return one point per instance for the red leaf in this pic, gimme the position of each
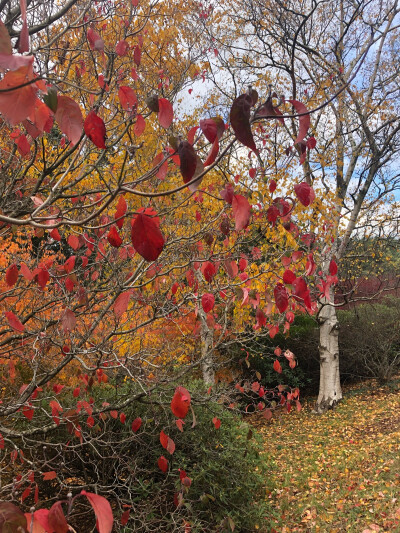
(333, 269)
(190, 164)
(240, 121)
(231, 268)
(114, 238)
(165, 113)
(187, 156)
(12, 275)
(268, 110)
(69, 118)
(73, 241)
(304, 193)
(140, 126)
(311, 143)
(207, 302)
(55, 234)
(24, 271)
(56, 519)
(49, 475)
(1, 442)
(212, 154)
(95, 129)
(290, 317)
(179, 424)
(121, 303)
(122, 48)
(95, 41)
(304, 121)
(127, 97)
(288, 277)
(14, 321)
(25, 494)
(102, 510)
(167, 442)
(277, 366)
(241, 211)
(12, 519)
(261, 318)
(267, 413)
(121, 211)
(213, 128)
(216, 422)
(70, 264)
(68, 321)
(272, 186)
(180, 402)
(125, 517)
(310, 265)
(42, 278)
(147, 238)
(242, 264)
(227, 193)
(191, 134)
(114, 414)
(28, 412)
(17, 104)
(23, 146)
(281, 297)
(162, 464)
(208, 269)
(136, 424)
(5, 41)
(137, 55)
(122, 418)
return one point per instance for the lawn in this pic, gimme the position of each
(339, 472)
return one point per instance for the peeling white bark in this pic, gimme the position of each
(330, 391)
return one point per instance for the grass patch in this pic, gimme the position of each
(338, 472)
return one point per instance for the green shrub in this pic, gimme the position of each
(369, 341)
(227, 470)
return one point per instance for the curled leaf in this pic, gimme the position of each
(304, 119)
(180, 403)
(240, 121)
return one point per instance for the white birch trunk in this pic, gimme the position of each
(330, 391)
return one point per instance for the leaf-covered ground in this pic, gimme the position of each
(339, 472)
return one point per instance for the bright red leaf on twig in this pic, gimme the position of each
(147, 238)
(165, 112)
(102, 510)
(281, 297)
(241, 211)
(304, 120)
(95, 129)
(12, 275)
(69, 118)
(207, 302)
(14, 321)
(180, 403)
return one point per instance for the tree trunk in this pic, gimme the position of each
(330, 391)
